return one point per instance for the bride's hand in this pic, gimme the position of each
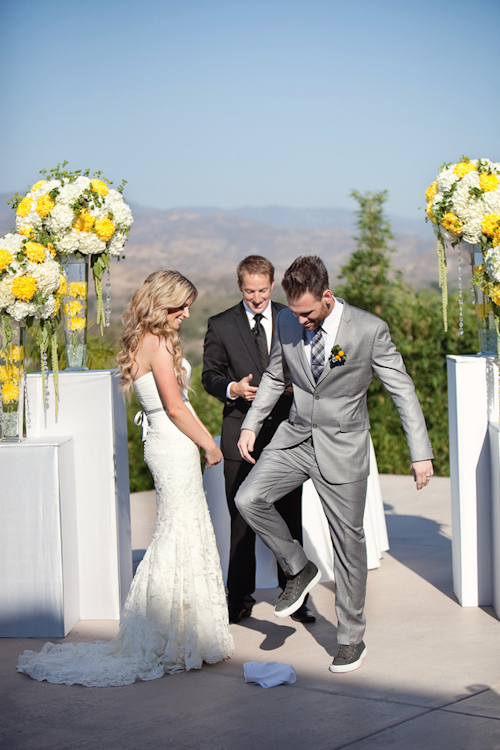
(213, 456)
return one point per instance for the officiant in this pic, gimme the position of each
(236, 354)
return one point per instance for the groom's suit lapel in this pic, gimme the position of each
(299, 346)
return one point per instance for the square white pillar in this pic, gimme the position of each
(92, 411)
(472, 403)
(38, 538)
(495, 514)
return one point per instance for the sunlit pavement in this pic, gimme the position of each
(431, 678)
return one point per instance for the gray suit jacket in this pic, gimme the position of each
(333, 411)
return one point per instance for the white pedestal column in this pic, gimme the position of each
(38, 539)
(472, 402)
(92, 412)
(495, 514)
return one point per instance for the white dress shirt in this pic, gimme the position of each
(267, 324)
(330, 327)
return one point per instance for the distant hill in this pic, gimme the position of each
(207, 243)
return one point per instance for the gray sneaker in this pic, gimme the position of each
(348, 658)
(296, 590)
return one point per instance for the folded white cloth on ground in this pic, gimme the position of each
(269, 673)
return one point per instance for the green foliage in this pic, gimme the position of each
(208, 408)
(140, 476)
(415, 322)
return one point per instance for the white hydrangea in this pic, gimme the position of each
(11, 242)
(90, 244)
(48, 308)
(69, 243)
(47, 275)
(472, 232)
(61, 218)
(121, 212)
(445, 180)
(44, 189)
(492, 201)
(6, 296)
(116, 244)
(492, 262)
(21, 310)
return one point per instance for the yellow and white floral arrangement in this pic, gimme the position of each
(76, 213)
(32, 285)
(463, 204)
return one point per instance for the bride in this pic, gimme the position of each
(175, 617)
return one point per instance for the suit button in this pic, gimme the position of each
(316, 398)
(314, 426)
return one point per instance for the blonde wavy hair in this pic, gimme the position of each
(161, 292)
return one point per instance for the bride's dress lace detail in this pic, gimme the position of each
(175, 617)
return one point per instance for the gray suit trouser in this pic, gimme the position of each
(277, 473)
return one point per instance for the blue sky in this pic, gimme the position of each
(255, 102)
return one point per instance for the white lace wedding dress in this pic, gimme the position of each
(175, 617)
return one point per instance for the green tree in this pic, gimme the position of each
(415, 322)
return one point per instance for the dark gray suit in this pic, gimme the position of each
(326, 437)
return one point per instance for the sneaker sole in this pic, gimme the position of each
(300, 601)
(340, 669)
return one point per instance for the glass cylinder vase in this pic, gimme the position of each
(74, 309)
(12, 381)
(485, 309)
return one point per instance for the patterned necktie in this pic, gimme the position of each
(317, 354)
(260, 337)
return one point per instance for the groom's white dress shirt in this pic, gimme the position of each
(330, 327)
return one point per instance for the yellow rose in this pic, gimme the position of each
(24, 207)
(430, 213)
(76, 324)
(98, 186)
(452, 223)
(26, 232)
(35, 252)
(104, 229)
(431, 191)
(494, 293)
(63, 287)
(24, 287)
(16, 353)
(490, 224)
(488, 182)
(44, 205)
(57, 305)
(37, 185)
(84, 222)
(463, 168)
(6, 257)
(77, 289)
(71, 309)
(10, 373)
(10, 393)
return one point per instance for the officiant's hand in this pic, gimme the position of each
(243, 389)
(246, 444)
(422, 472)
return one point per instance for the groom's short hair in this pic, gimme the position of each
(306, 274)
(255, 264)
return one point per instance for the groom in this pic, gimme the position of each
(332, 351)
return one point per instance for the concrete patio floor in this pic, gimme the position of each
(431, 678)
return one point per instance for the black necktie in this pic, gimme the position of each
(260, 337)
